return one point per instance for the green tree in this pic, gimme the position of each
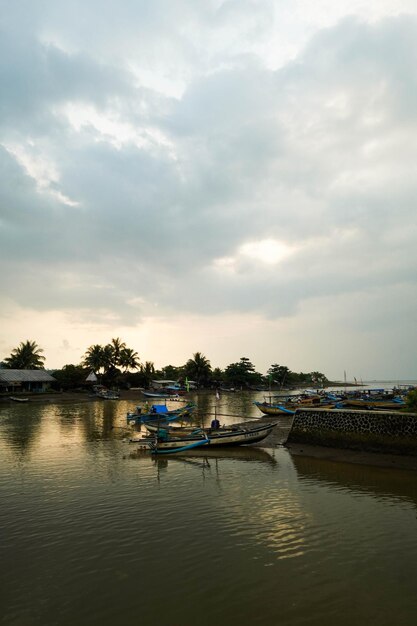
(70, 377)
(217, 376)
(27, 356)
(242, 374)
(172, 372)
(278, 375)
(199, 369)
(411, 401)
(147, 373)
(318, 378)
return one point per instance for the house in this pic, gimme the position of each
(172, 385)
(163, 384)
(25, 380)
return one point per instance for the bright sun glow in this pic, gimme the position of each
(267, 251)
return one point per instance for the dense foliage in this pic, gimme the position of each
(117, 365)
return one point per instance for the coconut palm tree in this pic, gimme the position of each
(94, 358)
(148, 372)
(198, 368)
(27, 356)
(128, 359)
(117, 346)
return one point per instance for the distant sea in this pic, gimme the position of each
(381, 384)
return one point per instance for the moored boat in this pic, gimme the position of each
(287, 405)
(155, 394)
(160, 411)
(233, 436)
(108, 394)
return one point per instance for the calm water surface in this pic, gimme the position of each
(94, 533)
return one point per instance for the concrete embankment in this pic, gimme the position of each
(372, 431)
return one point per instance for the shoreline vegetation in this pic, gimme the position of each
(115, 365)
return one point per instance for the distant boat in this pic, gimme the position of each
(155, 394)
(15, 399)
(107, 394)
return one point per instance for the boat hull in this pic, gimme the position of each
(239, 436)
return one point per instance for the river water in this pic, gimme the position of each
(94, 533)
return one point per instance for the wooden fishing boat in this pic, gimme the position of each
(16, 399)
(231, 436)
(287, 405)
(369, 404)
(160, 412)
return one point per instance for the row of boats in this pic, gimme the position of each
(164, 435)
(371, 399)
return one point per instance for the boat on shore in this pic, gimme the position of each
(230, 436)
(16, 399)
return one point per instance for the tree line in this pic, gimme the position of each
(117, 365)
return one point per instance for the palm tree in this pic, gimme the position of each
(128, 359)
(198, 368)
(94, 358)
(117, 346)
(148, 372)
(27, 356)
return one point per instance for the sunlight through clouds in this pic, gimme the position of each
(222, 161)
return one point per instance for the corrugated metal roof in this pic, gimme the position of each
(25, 376)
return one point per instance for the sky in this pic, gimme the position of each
(237, 178)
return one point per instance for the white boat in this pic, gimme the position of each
(107, 394)
(15, 399)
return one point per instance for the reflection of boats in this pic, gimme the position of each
(248, 454)
(230, 436)
(15, 399)
(160, 411)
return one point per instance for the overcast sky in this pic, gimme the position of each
(235, 177)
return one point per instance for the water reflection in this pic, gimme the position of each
(385, 484)
(93, 530)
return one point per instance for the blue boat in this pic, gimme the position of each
(160, 411)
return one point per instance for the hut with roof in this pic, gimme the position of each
(25, 380)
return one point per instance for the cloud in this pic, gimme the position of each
(244, 185)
